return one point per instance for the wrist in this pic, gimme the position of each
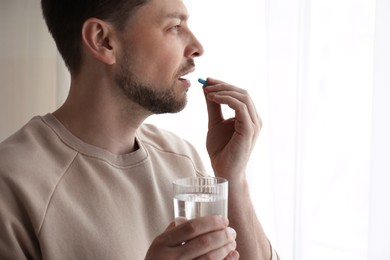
(238, 189)
(238, 181)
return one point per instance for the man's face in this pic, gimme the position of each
(158, 51)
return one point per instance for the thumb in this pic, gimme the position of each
(170, 226)
(180, 220)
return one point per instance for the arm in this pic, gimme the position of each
(17, 237)
(229, 144)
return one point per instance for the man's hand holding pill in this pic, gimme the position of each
(229, 143)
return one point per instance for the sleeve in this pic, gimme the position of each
(17, 239)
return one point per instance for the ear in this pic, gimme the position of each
(98, 38)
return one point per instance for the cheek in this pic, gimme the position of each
(156, 60)
(170, 53)
(167, 61)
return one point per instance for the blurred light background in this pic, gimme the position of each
(319, 74)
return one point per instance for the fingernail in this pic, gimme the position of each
(225, 221)
(232, 232)
(233, 255)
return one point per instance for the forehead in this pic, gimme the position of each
(163, 9)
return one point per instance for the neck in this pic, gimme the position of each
(101, 116)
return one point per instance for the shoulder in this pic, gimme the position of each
(163, 140)
(32, 162)
(159, 140)
(34, 157)
(34, 146)
(23, 145)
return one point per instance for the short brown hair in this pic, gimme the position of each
(65, 18)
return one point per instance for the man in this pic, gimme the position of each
(90, 181)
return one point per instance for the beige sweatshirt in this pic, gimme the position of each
(61, 198)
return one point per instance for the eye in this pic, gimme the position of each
(176, 27)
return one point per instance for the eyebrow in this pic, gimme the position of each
(177, 15)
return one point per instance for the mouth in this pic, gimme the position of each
(184, 76)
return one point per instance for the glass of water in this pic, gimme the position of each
(200, 196)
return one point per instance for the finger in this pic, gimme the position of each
(212, 81)
(166, 236)
(159, 246)
(196, 227)
(243, 122)
(240, 94)
(170, 226)
(214, 111)
(220, 94)
(214, 245)
(180, 220)
(226, 252)
(233, 255)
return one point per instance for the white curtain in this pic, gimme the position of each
(379, 227)
(326, 48)
(318, 71)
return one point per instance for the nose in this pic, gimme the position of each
(194, 48)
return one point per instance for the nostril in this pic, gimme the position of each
(196, 54)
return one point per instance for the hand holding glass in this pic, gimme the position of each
(200, 196)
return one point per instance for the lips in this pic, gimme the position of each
(183, 75)
(186, 83)
(183, 78)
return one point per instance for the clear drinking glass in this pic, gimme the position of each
(200, 196)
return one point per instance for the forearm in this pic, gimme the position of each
(252, 243)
